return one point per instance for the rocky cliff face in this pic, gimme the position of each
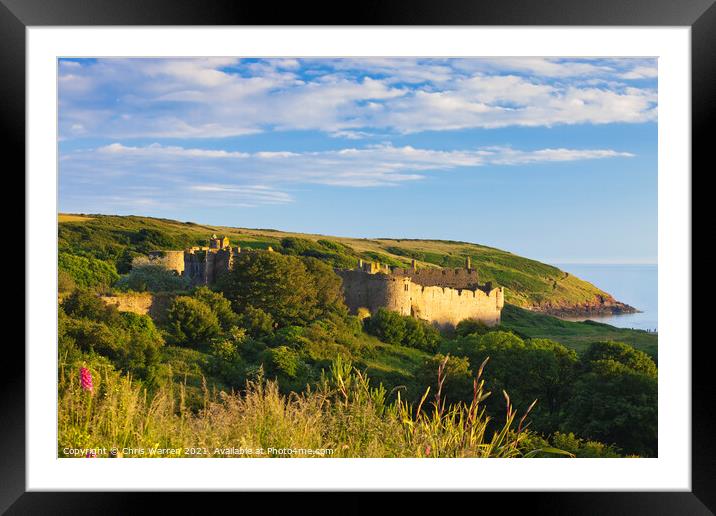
(601, 305)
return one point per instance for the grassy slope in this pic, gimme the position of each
(528, 282)
(577, 335)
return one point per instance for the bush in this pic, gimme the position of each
(613, 403)
(85, 304)
(534, 369)
(65, 282)
(471, 326)
(191, 322)
(421, 335)
(219, 305)
(257, 323)
(279, 285)
(282, 361)
(152, 278)
(622, 353)
(226, 361)
(458, 377)
(387, 325)
(87, 272)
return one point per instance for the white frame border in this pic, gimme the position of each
(670, 471)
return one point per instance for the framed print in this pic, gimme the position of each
(364, 258)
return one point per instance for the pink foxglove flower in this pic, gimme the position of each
(91, 454)
(86, 379)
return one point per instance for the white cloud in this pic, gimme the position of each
(235, 172)
(346, 98)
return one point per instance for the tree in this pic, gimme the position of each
(614, 403)
(536, 369)
(328, 285)
(191, 322)
(279, 285)
(387, 325)
(87, 272)
(219, 305)
(421, 335)
(458, 385)
(257, 323)
(622, 353)
(85, 304)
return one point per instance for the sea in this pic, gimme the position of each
(635, 285)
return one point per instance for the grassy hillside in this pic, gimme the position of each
(576, 335)
(529, 283)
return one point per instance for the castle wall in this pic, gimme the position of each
(172, 260)
(453, 278)
(444, 306)
(142, 303)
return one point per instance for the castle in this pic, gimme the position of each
(202, 265)
(442, 296)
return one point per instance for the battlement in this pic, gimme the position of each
(442, 296)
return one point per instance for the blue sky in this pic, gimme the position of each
(554, 159)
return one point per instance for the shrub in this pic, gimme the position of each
(65, 282)
(421, 335)
(387, 325)
(85, 304)
(191, 322)
(458, 377)
(219, 305)
(277, 284)
(87, 272)
(282, 361)
(613, 403)
(152, 278)
(257, 323)
(622, 353)
(533, 369)
(470, 326)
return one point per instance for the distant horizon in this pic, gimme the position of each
(543, 157)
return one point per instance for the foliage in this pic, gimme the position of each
(85, 304)
(532, 369)
(576, 335)
(152, 278)
(580, 448)
(219, 305)
(87, 272)
(622, 353)
(191, 322)
(130, 341)
(282, 286)
(257, 323)
(458, 376)
(344, 417)
(470, 326)
(615, 403)
(394, 328)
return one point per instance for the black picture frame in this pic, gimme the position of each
(17, 15)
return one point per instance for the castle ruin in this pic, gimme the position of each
(442, 296)
(202, 265)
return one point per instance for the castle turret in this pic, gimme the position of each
(414, 264)
(468, 263)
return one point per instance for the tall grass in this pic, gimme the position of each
(342, 416)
